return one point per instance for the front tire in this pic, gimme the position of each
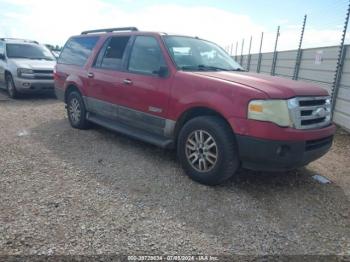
(10, 86)
(207, 150)
(76, 111)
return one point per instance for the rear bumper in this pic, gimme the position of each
(272, 155)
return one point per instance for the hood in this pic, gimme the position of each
(34, 64)
(274, 87)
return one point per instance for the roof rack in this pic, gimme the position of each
(109, 30)
(18, 39)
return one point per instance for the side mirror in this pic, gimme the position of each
(2, 57)
(163, 71)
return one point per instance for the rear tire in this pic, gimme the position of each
(10, 86)
(207, 150)
(76, 111)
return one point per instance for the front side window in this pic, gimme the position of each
(195, 54)
(111, 55)
(146, 56)
(29, 51)
(77, 50)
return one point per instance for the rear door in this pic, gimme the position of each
(105, 79)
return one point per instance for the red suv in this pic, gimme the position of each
(187, 93)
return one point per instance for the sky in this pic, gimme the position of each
(225, 22)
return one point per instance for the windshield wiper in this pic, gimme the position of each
(40, 58)
(239, 70)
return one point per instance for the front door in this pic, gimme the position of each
(146, 90)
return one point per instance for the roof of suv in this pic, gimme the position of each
(118, 30)
(18, 41)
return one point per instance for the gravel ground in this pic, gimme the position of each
(67, 191)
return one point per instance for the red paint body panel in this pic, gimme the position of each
(271, 131)
(196, 90)
(274, 87)
(227, 93)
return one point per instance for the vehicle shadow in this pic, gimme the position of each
(274, 212)
(29, 96)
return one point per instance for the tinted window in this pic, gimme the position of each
(111, 55)
(77, 50)
(146, 56)
(30, 51)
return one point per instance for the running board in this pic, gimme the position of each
(136, 133)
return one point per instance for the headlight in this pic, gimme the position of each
(25, 72)
(275, 111)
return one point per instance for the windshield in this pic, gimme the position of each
(199, 55)
(29, 51)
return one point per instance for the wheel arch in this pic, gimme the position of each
(70, 88)
(194, 112)
(7, 72)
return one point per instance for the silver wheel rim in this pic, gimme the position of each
(74, 110)
(201, 151)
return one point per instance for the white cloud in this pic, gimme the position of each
(54, 21)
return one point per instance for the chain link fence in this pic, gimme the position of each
(316, 51)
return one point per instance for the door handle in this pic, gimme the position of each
(90, 75)
(127, 81)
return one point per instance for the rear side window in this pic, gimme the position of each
(77, 50)
(112, 53)
(146, 56)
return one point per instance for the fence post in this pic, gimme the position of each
(299, 53)
(340, 62)
(273, 67)
(241, 59)
(236, 50)
(249, 55)
(260, 55)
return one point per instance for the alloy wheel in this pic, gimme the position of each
(201, 151)
(74, 110)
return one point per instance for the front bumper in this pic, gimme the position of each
(32, 85)
(272, 155)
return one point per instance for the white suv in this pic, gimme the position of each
(25, 66)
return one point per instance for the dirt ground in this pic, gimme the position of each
(68, 191)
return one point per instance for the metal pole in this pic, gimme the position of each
(236, 50)
(260, 55)
(340, 62)
(231, 51)
(249, 55)
(275, 53)
(298, 58)
(242, 51)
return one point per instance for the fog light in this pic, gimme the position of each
(26, 84)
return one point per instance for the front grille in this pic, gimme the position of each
(43, 74)
(310, 112)
(43, 77)
(43, 71)
(315, 144)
